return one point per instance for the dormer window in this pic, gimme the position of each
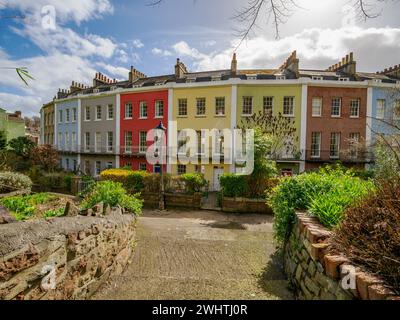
(190, 80)
(318, 78)
(114, 88)
(252, 77)
(344, 79)
(216, 78)
(281, 77)
(96, 90)
(377, 80)
(136, 86)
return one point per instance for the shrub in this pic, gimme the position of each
(369, 234)
(12, 181)
(23, 207)
(51, 181)
(194, 182)
(325, 193)
(54, 213)
(234, 185)
(131, 180)
(45, 156)
(112, 194)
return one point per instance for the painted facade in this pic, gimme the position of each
(207, 107)
(98, 136)
(66, 130)
(383, 115)
(47, 125)
(12, 124)
(276, 95)
(139, 113)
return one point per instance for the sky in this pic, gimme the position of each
(60, 41)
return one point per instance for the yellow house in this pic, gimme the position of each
(200, 107)
(278, 97)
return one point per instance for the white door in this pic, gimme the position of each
(217, 174)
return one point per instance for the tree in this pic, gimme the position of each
(3, 140)
(279, 11)
(22, 146)
(45, 156)
(281, 131)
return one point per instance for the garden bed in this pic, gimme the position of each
(36, 206)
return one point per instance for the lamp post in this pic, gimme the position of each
(159, 154)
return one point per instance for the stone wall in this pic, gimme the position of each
(63, 258)
(173, 200)
(244, 205)
(315, 274)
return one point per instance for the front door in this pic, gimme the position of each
(218, 172)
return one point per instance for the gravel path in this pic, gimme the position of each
(201, 255)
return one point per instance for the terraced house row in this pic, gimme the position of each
(335, 111)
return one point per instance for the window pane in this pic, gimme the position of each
(316, 107)
(182, 107)
(288, 106)
(336, 107)
(220, 106)
(268, 105)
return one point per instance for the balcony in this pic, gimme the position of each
(345, 156)
(99, 149)
(137, 151)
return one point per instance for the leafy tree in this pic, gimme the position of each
(45, 156)
(281, 131)
(22, 146)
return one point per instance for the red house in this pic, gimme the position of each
(140, 112)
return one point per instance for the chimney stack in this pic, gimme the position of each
(292, 64)
(234, 65)
(180, 69)
(134, 75)
(346, 65)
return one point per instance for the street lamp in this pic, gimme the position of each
(159, 154)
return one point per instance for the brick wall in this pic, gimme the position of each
(78, 253)
(315, 274)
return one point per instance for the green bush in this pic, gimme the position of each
(112, 194)
(325, 194)
(233, 185)
(12, 181)
(54, 213)
(23, 207)
(133, 181)
(194, 182)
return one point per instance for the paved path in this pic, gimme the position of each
(201, 255)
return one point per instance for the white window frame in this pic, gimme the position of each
(396, 107)
(181, 166)
(87, 139)
(128, 106)
(74, 115)
(141, 164)
(289, 115)
(159, 105)
(128, 142)
(266, 101)
(110, 147)
(201, 105)
(217, 106)
(60, 116)
(182, 106)
(142, 148)
(338, 137)
(97, 113)
(67, 116)
(97, 141)
(143, 107)
(67, 141)
(314, 143)
(74, 142)
(334, 106)
(110, 107)
(247, 105)
(358, 108)
(313, 105)
(87, 113)
(380, 108)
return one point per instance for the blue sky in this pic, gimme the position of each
(110, 36)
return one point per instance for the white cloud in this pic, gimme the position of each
(114, 71)
(27, 104)
(374, 49)
(161, 52)
(68, 41)
(137, 43)
(76, 10)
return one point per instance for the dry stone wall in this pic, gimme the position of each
(314, 273)
(63, 258)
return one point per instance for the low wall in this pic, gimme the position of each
(315, 274)
(245, 205)
(63, 258)
(173, 200)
